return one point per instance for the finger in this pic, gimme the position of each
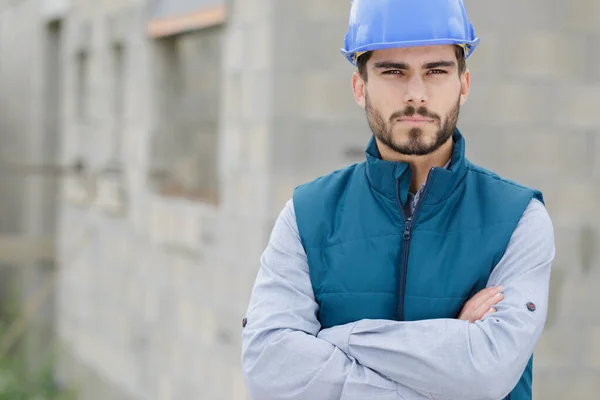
(475, 317)
(480, 298)
(492, 310)
(484, 294)
(486, 305)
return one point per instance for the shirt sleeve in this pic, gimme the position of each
(281, 356)
(450, 358)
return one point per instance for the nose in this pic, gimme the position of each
(416, 92)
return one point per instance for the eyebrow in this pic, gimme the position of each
(404, 66)
(439, 64)
(390, 64)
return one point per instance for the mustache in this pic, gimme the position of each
(409, 111)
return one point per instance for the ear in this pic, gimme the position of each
(358, 87)
(465, 86)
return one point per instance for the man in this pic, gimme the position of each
(414, 274)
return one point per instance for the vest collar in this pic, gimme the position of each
(383, 175)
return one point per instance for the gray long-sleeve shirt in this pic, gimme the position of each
(286, 354)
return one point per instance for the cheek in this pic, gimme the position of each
(388, 99)
(443, 100)
(393, 90)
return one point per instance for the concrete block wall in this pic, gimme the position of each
(184, 145)
(150, 304)
(316, 125)
(30, 143)
(21, 91)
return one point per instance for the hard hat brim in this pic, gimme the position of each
(350, 54)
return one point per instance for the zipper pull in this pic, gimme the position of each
(407, 228)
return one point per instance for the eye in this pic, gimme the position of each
(436, 72)
(393, 72)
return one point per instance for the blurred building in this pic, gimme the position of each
(152, 144)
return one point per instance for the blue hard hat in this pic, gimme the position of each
(384, 24)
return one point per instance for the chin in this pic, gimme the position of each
(405, 136)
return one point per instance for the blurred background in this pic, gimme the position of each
(147, 147)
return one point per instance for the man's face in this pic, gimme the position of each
(412, 97)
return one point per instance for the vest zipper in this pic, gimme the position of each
(406, 236)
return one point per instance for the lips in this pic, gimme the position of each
(415, 120)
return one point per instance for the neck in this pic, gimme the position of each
(420, 165)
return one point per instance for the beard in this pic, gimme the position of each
(416, 146)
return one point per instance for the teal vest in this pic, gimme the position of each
(367, 261)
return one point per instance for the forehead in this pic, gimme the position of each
(415, 55)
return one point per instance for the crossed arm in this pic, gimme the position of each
(286, 355)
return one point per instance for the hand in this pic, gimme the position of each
(481, 305)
